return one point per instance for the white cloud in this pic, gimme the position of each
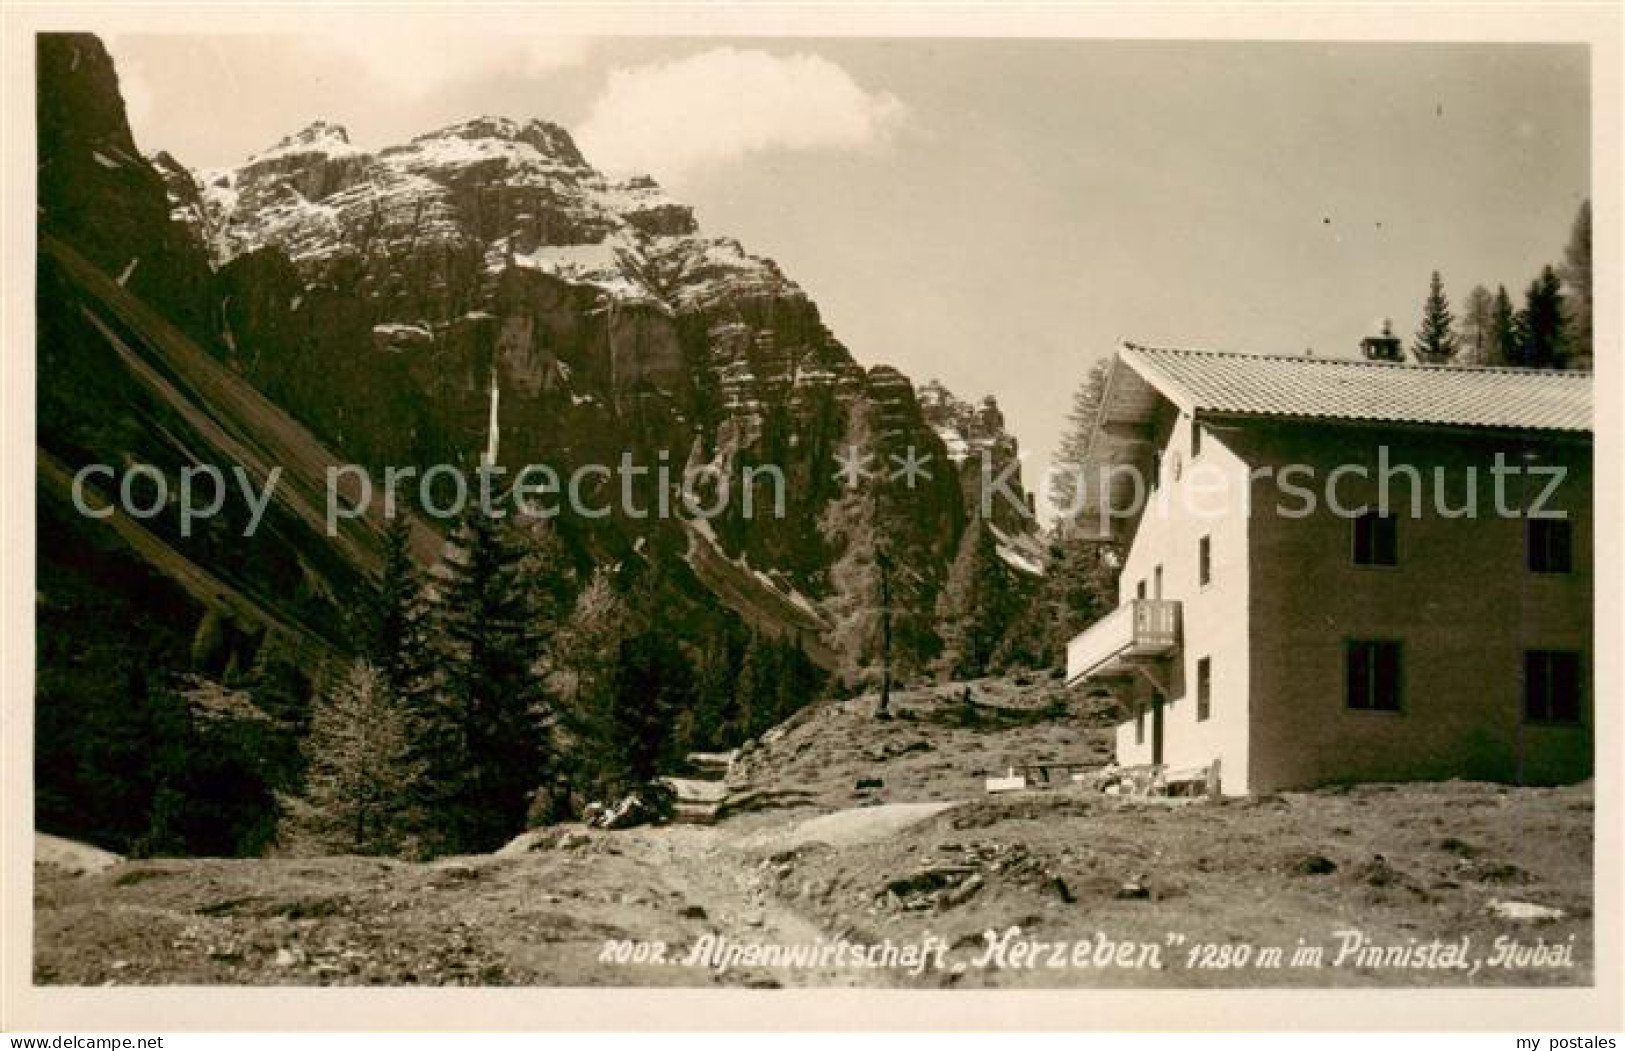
(415, 64)
(670, 118)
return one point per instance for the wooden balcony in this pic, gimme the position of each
(1136, 633)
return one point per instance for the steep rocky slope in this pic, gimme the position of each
(379, 295)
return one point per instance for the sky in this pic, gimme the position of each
(996, 214)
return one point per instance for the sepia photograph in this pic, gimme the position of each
(528, 508)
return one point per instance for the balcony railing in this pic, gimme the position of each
(1140, 630)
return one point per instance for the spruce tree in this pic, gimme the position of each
(392, 615)
(1541, 327)
(489, 685)
(1435, 342)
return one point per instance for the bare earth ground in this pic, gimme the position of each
(1124, 892)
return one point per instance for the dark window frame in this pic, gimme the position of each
(1369, 676)
(1204, 689)
(1549, 546)
(1368, 543)
(1541, 668)
(1204, 561)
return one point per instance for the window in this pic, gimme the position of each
(1551, 545)
(1139, 589)
(1139, 724)
(1376, 539)
(1551, 686)
(1196, 439)
(1372, 681)
(1156, 592)
(1204, 689)
(1204, 561)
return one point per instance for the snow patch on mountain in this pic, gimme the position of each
(514, 194)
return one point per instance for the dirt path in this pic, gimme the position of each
(846, 828)
(727, 874)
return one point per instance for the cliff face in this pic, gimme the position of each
(375, 297)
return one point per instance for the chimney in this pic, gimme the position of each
(1385, 347)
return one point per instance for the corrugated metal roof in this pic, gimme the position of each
(1353, 389)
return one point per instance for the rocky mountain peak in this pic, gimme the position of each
(497, 142)
(963, 427)
(377, 294)
(317, 137)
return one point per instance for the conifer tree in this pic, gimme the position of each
(715, 680)
(1541, 335)
(799, 681)
(652, 686)
(1435, 342)
(1576, 275)
(1476, 327)
(751, 687)
(1503, 342)
(976, 606)
(392, 616)
(489, 685)
(1079, 583)
(586, 656)
(1079, 587)
(1080, 423)
(358, 770)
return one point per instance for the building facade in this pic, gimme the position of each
(1344, 571)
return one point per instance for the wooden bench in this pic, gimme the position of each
(1036, 775)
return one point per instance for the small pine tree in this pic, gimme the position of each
(358, 771)
(1435, 342)
(1541, 335)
